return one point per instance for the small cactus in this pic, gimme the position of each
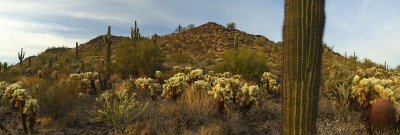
(5, 67)
(76, 51)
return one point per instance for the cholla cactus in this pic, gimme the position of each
(84, 79)
(195, 75)
(366, 90)
(31, 107)
(222, 91)
(269, 83)
(8, 93)
(177, 69)
(148, 84)
(158, 74)
(119, 109)
(143, 83)
(19, 96)
(202, 85)
(187, 69)
(3, 87)
(247, 97)
(174, 86)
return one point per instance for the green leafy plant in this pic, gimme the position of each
(248, 63)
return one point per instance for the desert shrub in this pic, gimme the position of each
(248, 63)
(119, 109)
(259, 41)
(142, 60)
(231, 25)
(180, 58)
(336, 86)
(196, 108)
(58, 101)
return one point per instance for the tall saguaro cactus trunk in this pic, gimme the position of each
(303, 32)
(108, 50)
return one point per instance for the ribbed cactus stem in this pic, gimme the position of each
(76, 51)
(83, 65)
(135, 35)
(303, 31)
(5, 66)
(1, 66)
(107, 40)
(21, 56)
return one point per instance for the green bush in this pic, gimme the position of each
(248, 63)
(142, 60)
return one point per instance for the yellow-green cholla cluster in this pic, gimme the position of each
(118, 108)
(175, 85)
(201, 85)
(9, 91)
(31, 107)
(366, 90)
(247, 96)
(158, 74)
(269, 83)
(148, 84)
(84, 79)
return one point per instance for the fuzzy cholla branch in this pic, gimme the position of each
(247, 97)
(269, 83)
(31, 107)
(174, 86)
(119, 109)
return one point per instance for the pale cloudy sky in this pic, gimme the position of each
(368, 27)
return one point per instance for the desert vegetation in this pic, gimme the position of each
(207, 80)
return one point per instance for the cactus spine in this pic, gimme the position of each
(76, 51)
(303, 30)
(107, 40)
(21, 56)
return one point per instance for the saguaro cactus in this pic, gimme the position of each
(303, 32)
(107, 40)
(5, 67)
(76, 51)
(135, 35)
(21, 56)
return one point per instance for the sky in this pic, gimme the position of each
(370, 28)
